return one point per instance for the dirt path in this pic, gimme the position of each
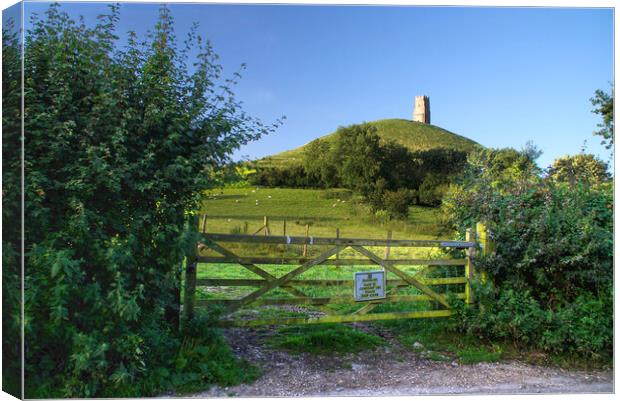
(393, 370)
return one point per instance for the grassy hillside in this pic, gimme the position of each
(411, 134)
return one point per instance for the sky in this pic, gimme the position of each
(499, 76)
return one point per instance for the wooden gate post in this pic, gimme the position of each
(486, 243)
(190, 276)
(469, 266)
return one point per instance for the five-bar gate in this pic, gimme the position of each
(427, 281)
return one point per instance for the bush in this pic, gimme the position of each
(290, 177)
(553, 266)
(583, 326)
(121, 143)
(432, 190)
(397, 203)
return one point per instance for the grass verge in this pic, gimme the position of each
(324, 339)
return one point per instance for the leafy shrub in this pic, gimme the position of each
(583, 168)
(553, 272)
(432, 190)
(584, 326)
(121, 143)
(397, 202)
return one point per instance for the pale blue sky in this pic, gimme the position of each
(500, 76)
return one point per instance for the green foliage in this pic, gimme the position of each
(432, 190)
(121, 143)
(553, 266)
(397, 203)
(319, 163)
(603, 104)
(325, 339)
(583, 168)
(291, 177)
(583, 326)
(555, 239)
(357, 153)
(11, 208)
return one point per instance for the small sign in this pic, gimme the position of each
(369, 285)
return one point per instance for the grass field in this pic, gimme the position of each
(230, 210)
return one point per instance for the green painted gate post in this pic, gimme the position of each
(190, 275)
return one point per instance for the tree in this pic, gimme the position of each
(121, 144)
(317, 161)
(358, 153)
(584, 168)
(604, 106)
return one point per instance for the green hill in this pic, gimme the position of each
(411, 134)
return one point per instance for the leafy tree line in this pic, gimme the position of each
(119, 144)
(387, 174)
(550, 280)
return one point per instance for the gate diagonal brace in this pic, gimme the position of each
(407, 278)
(264, 274)
(279, 282)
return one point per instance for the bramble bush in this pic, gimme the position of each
(121, 142)
(583, 326)
(552, 271)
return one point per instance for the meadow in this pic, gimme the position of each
(241, 210)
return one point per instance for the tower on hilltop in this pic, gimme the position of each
(422, 109)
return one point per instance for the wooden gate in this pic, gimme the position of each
(426, 281)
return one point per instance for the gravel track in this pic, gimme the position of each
(393, 370)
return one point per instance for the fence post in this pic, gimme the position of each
(284, 228)
(204, 224)
(387, 248)
(305, 253)
(266, 225)
(190, 277)
(338, 236)
(486, 243)
(469, 266)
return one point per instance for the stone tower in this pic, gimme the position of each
(422, 109)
